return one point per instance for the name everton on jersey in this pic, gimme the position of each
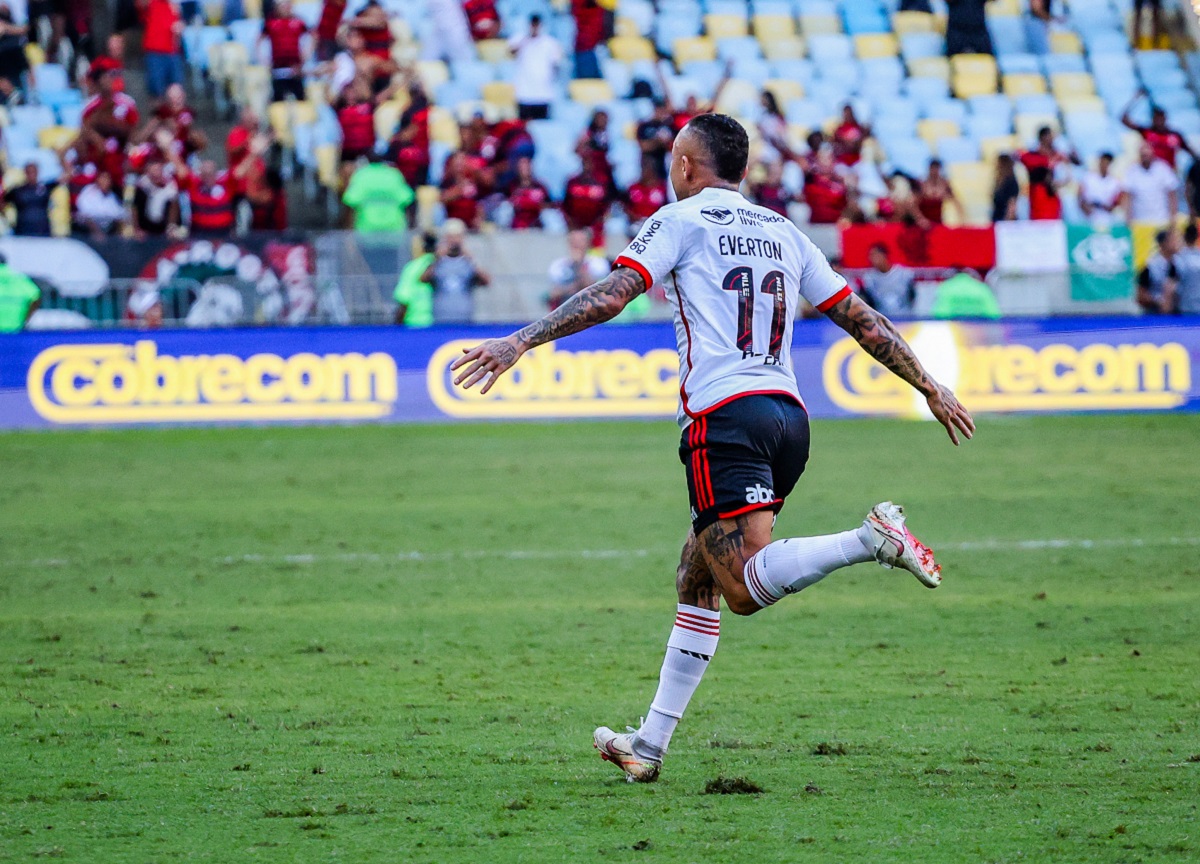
(739, 246)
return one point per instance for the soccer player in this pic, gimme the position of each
(734, 273)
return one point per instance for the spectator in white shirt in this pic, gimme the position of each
(1152, 189)
(539, 57)
(98, 210)
(1100, 193)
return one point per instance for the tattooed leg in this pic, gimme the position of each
(693, 581)
(726, 546)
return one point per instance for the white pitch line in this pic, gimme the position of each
(1068, 543)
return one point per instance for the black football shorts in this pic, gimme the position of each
(744, 455)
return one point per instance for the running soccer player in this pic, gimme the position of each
(734, 274)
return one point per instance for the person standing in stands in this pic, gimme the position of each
(590, 31)
(372, 22)
(535, 79)
(454, 276)
(109, 121)
(527, 197)
(332, 12)
(410, 145)
(19, 298)
(13, 61)
(1183, 297)
(1007, 190)
(378, 195)
(356, 116)
(966, 28)
(161, 44)
(1043, 165)
(1163, 140)
(284, 32)
(934, 192)
(31, 200)
(482, 18)
(211, 194)
(645, 197)
(1151, 189)
(586, 202)
(1156, 281)
(1100, 193)
(413, 296)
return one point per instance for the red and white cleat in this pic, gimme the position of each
(895, 546)
(618, 749)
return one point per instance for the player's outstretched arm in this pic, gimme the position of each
(879, 338)
(593, 305)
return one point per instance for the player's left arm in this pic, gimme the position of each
(593, 305)
(880, 338)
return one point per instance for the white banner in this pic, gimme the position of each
(1025, 248)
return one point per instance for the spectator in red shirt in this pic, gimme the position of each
(211, 195)
(1165, 141)
(284, 32)
(482, 18)
(848, 138)
(372, 22)
(645, 197)
(590, 31)
(175, 116)
(767, 189)
(933, 193)
(527, 197)
(356, 115)
(594, 143)
(164, 60)
(410, 144)
(461, 192)
(586, 202)
(1041, 165)
(327, 28)
(825, 192)
(237, 144)
(109, 121)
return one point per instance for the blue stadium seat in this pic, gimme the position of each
(806, 112)
(946, 109)
(915, 45)
(994, 104)
(31, 116)
(897, 106)
(861, 17)
(980, 126)
(1017, 64)
(1187, 122)
(71, 114)
(1159, 80)
(831, 94)
(1105, 42)
(474, 72)
(924, 91)
(954, 150)
(752, 69)
(876, 90)
(18, 138)
(846, 73)
(875, 68)
(1042, 103)
(247, 31)
(793, 70)
(894, 127)
(707, 72)
(1053, 63)
(1008, 35)
(1174, 101)
(51, 77)
(827, 47)
(910, 155)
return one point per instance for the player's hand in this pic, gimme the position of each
(950, 413)
(489, 360)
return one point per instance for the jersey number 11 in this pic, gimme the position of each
(741, 280)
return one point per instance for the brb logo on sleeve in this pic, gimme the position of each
(718, 215)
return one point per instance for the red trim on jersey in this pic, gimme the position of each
(834, 300)
(687, 329)
(749, 508)
(636, 267)
(737, 396)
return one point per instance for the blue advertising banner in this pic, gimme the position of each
(388, 374)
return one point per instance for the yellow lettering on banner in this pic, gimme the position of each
(1055, 377)
(135, 384)
(552, 382)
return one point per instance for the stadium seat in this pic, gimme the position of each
(785, 91)
(1035, 103)
(930, 131)
(691, 49)
(493, 51)
(769, 28)
(629, 49)
(1008, 35)
(904, 23)
(736, 95)
(1065, 42)
(625, 27)
(1027, 126)
(738, 49)
(1082, 105)
(972, 183)
(871, 45)
(35, 55)
(929, 67)
(1054, 63)
(1016, 64)
(1067, 84)
(926, 90)
(1003, 9)
(795, 70)
(990, 148)
(805, 113)
(827, 47)
(387, 119)
(56, 137)
(914, 45)
(820, 25)
(34, 117)
(433, 74)
(503, 96)
(1023, 85)
(443, 127)
(946, 109)
(982, 126)
(910, 155)
(955, 150)
(783, 48)
(725, 26)
(590, 91)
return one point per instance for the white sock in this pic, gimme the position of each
(788, 566)
(692, 644)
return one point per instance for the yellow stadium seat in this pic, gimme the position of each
(251, 85)
(1004, 8)
(433, 74)
(428, 199)
(252, 8)
(502, 94)
(913, 22)
(931, 130)
(871, 45)
(225, 59)
(1027, 126)
(929, 67)
(387, 118)
(1065, 42)
(316, 91)
(328, 156)
(34, 54)
(57, 137)
(991, 147)
(630, 49)
(812, 25)
(590, 91)
(737, 93)
(784, 48)
(401, 30)
(983, 64)
(1024, 84)
(214, 11)
(625, 26)
(1081, 105)
(973, 184)
(696, 48)
(784, 90)
(493, 50)
(968, 84)
(1065, 85)
(443, 127)
(60, 212)
(725, 26)
(771, 27)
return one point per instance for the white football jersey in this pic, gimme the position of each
(734, 273)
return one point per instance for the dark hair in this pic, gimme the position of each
(935, 163)
(429, 242)
(880, 247)
(1044, 131)
(1160, 237)
(535, 20)
(1106, 155)
(1191, 234)
(1158, 109)
(727, 144)
(772, 103)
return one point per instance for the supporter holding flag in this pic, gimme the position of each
(1163, 140)
(284, 33)
(527, 197)
(586, 202)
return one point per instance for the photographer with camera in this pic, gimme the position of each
(454, 276)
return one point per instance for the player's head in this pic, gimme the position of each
(712, 150)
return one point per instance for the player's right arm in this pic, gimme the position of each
(593, 305)
(880, 338)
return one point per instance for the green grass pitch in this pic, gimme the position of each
(223, 645)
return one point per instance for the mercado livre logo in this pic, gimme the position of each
(123, 383)
(1088, 373)
(550, 381)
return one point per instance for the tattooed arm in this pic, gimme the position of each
(593, 305)
(879, 338)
